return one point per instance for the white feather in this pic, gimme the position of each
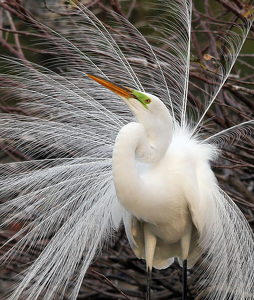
(73, 122)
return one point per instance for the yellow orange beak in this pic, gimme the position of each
(119, 90)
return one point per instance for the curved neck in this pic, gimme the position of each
(131, 142)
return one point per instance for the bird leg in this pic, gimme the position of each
(184, 297)
(185, 245)
(150, 244)
(148, 284)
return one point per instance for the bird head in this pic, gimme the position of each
(148, 109)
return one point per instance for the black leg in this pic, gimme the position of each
(184, 280)
(148, 284)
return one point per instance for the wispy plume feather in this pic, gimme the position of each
(66, 192)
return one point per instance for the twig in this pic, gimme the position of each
(16, 37)
(22, 32)
(112, 284)
(242, 89)
(116, 6)
(131, 9)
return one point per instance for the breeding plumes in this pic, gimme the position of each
(101, 166)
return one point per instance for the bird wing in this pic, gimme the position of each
(225, 237)
(229, 245)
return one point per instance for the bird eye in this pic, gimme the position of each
(148, 101)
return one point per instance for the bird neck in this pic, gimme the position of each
(132, 143)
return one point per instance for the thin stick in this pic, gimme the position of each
(111, 283)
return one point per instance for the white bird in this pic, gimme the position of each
(169, 204)
(159, 182)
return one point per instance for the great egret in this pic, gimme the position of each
(164, 203)
(170, 202)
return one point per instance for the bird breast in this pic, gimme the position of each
(169, 186)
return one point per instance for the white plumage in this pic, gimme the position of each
(161, 184)
(169, 200)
